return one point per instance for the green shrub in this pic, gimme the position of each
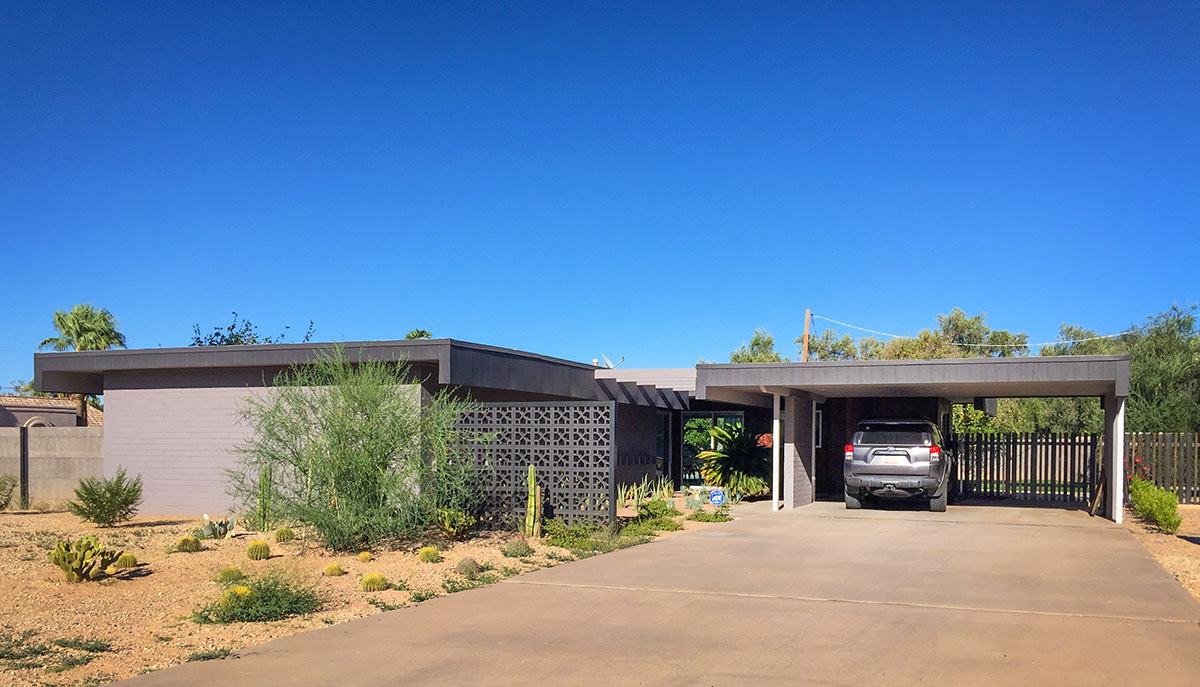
(230, 574)
(284, 535)
(92, 646)
(657, 508)
(347, 448)
(452, 585)
(558, 533)
(125, 560)
(365, 556)
(261, 600)
(374, 582)
(334, 570)
(207, 655)
(454, 524)
(1155, 505)
(258, 551)
(702, 516)
(85, 559)
(517, 548)
(107, 502)
(429, 554)
(7, 484)
(187, 545)
(642, 527)
(419, 595)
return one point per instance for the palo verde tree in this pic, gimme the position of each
(346, 447)
(84, 328)
(761, 349)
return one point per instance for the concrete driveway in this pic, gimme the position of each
(975, 596)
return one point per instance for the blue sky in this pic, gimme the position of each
(649, 180)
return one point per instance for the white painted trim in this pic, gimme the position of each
(776, 440)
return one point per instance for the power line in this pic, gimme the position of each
(974, 345)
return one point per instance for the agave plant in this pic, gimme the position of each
(738, 464)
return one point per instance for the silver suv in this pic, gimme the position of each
(897, 459)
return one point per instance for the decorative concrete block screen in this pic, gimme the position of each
(570, 443)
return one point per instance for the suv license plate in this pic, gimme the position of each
(894, 460)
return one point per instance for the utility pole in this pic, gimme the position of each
(804, 351)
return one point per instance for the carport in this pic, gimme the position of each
(918, 387)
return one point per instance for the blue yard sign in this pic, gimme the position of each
(717, 497)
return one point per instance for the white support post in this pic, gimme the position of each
(776, 440)
(1116, 472)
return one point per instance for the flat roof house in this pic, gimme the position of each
(171, 414)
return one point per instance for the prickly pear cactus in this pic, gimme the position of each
(86, 559)
(218, 529)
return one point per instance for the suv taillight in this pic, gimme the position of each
(935, 454)
(849, 452)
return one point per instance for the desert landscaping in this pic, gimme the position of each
(140, 619)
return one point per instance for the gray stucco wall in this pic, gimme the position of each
(179, 440)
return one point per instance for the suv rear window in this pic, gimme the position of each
(893, 435)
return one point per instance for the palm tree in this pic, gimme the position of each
(84, 328)
(418, 334)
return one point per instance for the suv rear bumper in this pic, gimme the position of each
(898, 486)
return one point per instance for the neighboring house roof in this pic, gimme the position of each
(95, 416)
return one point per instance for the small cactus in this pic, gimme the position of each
(258, 551)
(85, 559)
(334, 570)
(429, 554)
(235, 596)
(125, 560)
(365, 557)
(188, 545)
(374, 582)
(229, 574)
(284, 535)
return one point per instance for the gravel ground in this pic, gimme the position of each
(1179, 553)
(143, 614)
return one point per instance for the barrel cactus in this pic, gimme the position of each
(429, 554)
(85, 559)
(284, 535)
(334, 570)
(188, 545)
(468, 567)
(125, 560)
(374, 582)
(258, 551)
(230, 574)
(365, 557)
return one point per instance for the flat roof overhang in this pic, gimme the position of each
(959, 379)
(458, 363)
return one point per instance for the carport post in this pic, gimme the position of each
(775, 440)
(1114, 455)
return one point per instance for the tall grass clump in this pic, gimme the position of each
(343, 446)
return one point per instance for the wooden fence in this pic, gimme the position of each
(1170, 460)
(1028, 467)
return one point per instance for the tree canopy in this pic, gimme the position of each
(241, 332)
(761, 349)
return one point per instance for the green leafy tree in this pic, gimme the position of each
(829, 346)
(84, 328)
(1164, 387)
(241, 332)
(418, 334)
(761, 349)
